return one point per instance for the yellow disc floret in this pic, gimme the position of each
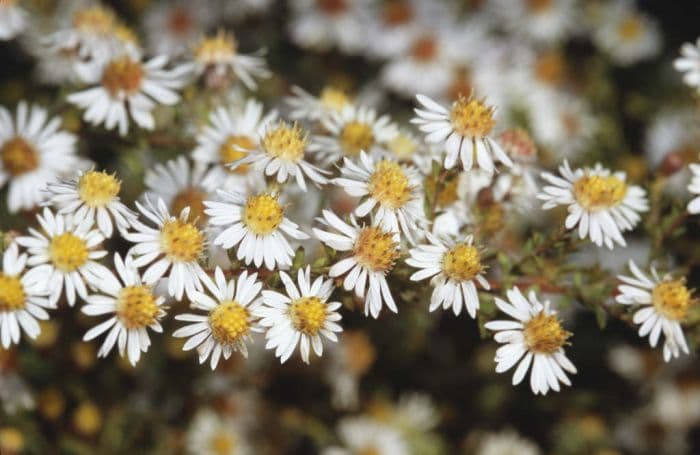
(122, 76)
(12, 296)
(544, 334)
(222, 443)
(308, 314)
(97, 189)
(285, 142)
(229, 322)
(355, 137)
(376, 249)
(472, 118)
(95, 19)
(402, 146)
(137, 307)
(671, 299)
(194, 199)
(595, 192)
(18, 156)
(235, 148)
(333, 99)
(462, 262)
(263, 213)
(68, 252)
(630, 28)
(216, 49)
(389, 184)
(181, 241)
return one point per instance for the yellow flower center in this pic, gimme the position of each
(447, 194)
(538, 6)
(235, 148)
(11, 294)
(333, 99)
(461, 84)
(544, 334)
(68, 252)
(595, 192)
(230, 322)
(308, 314)
(493, 218)
(397, 12)
(222, 443)
(285, 142)
(550, 68)
(402, 146)
(370, 450)
(630, 28)
(87, 419)
(181, 241)
(517, 143)
(263, 214)
(136, 307)
(389, 184)
(97, 189)
(462, 262)
(356, 136)
(194, 199)
(216, 49)
(376, 249)
(332, 7)
(125, 34)
(11, 440)
(122, 76)
(18, 156)
(425, 48)
(95, 19)
(671, 299)
(472, 118)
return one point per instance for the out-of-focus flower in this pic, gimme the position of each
(33, 152)
(94, 195)
(694, 188)
(364, 435)
(330, 101)
(665, 304)
(21, 301)
(13, 19)
(257, 224)
(454, 267)
(132, 306)
(464, 130)
(600, 203)
(689, 64)
(392, 189)
(322, 24)
(538, 21)
(172, 28)
(212, 434)
(535, 336)
(64, 256)
(231, 318)
(173, 247)
(373, 254)
(506, 442)
(301, 316)
(124, 87)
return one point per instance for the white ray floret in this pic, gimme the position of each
(689, 64)
(694, 188)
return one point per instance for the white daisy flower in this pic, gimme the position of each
(173, 248)
(539, 21)
(22, 302)
(33, 152)
(694, 188)
(535, 336)
(689, 64)
(64, 255)
(230, 321)
(257, 225)
(305, 106)
(127, 87)
(13, 19)
(133, 308)
(216, 57)
(506, 442)
(281, 153)
(179, 185)
(173, 28)
(211, 434)
(454, 268)
(323, 24)
(302, 316)
(626, 34)
(365, 435)
(373, 254)
(600, 203)
(395, 192)
(229, 136)
(351, 131)
(665, 303)
(464, 130)
(94, 195)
